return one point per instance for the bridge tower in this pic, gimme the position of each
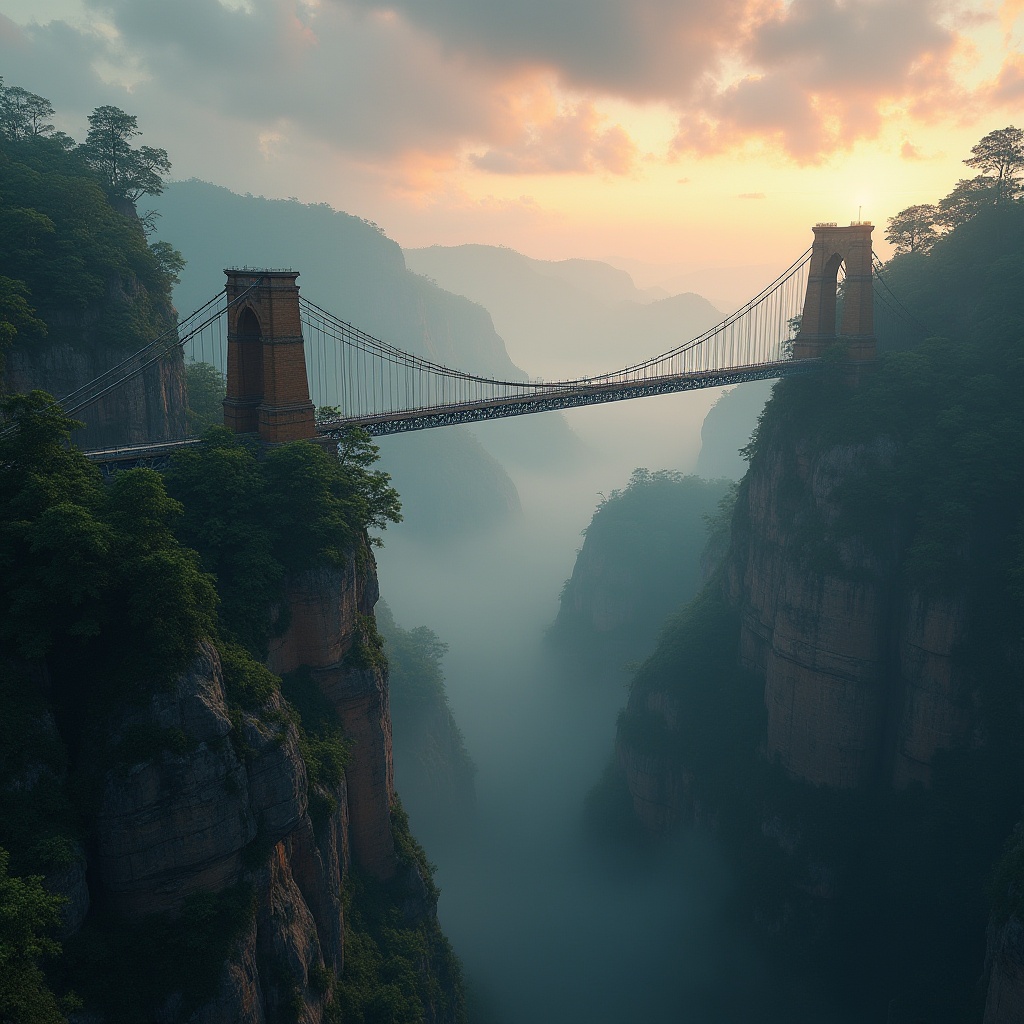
(267, 387)
(834, 246)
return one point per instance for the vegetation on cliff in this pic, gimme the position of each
(434, 769)
(103, 603)
(71, 245)
(639, 562)
(876, 893)
(387, 948)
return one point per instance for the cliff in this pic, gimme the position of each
(639, 562)
(214, 834)
(841, 705)
(149, 408)
(434, 768)
(861, 679)
(176, 792)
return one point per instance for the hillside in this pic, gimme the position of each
(842, 703)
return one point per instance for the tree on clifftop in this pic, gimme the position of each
(1000, 156)
(913, 229)
(127, 173)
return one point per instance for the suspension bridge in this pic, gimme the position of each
(293, 370)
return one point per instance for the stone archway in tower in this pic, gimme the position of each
(836, 247)
(250, 356)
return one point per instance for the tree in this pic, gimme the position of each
(964, 202)
(1000, 155)
(23, 114)
(127, 173)
(28, 913)
(204, 390)
(16, 314)
(913, 229)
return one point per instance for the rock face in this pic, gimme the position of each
(861, 683)
(860, 674)
(330, 631)
(150, 407)
(203, 797)
(176, 823)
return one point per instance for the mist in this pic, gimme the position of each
(549, 925)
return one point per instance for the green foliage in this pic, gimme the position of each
(28, 913)
(92, 573)
(1000, 156)
(37, 819)
(254, 520)
(125, 172)
(16, 315)
(414, 658)
(367, 650)
(248, 683)
(322, 741)
(396, 966)
(129, 969)
(205, 388)
(641, 556)
(65, 249)
(23, 114)
(229, 520)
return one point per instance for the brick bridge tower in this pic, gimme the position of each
(834, 246)
(267, 388)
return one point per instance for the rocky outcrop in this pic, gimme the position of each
(202, 797)
(151, 407)
(861, 682)
(330, 630)
(860, 674)
(175, 818)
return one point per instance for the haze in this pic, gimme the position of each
(659, 133)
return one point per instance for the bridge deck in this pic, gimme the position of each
(551, 399)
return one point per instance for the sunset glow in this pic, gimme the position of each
(653, 131)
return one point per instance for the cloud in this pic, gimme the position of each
(751, 195)
(1008, 88)
(572, 139)
(638, 49)
(910, 152)
(821, 74)
(419, 90)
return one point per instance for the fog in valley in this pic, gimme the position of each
(551, 925)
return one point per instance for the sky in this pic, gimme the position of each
(683, 133)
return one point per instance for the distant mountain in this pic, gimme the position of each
(564, 318)
(727, 288)
(347, 265)
(351, 268)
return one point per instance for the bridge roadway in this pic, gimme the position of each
(156, 455)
